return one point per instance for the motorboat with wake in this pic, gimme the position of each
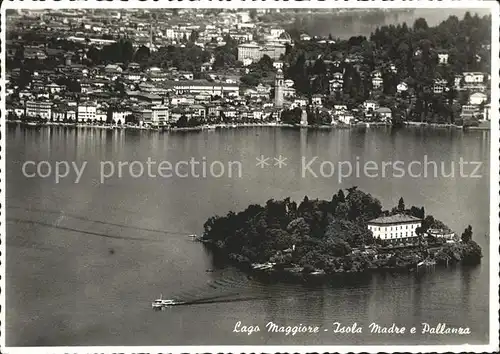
(160, 304)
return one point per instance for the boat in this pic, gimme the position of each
(160, 304)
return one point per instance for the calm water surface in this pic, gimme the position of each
(85, 260)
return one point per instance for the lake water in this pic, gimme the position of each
(85, 260)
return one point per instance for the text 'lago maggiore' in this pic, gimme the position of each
(337, 327)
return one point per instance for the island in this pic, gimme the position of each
(348, 233)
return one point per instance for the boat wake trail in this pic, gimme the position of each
(222, 300)
(91, 233)
(63, 215)
(221, 290)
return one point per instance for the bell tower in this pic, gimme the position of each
(279, 84)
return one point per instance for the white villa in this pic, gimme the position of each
(395, 228)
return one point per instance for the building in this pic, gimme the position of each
(276, 32)
(38, 109)
(477, 98)
(305, 37)
(443, 58)
(279, 83)
(384, 113)
(86, 112)
(273, 51)
(337, 82)
(395, 228)
(159, 115)
(203, 87)
(440, 86)
(402, 87)
(249, 51)
(119, 116)
(254, 52)
(370, 105)
(317, 100)
(278, 65)
(377, 80)
(473, 78)
(54, 88)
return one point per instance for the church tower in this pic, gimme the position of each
(279, 84)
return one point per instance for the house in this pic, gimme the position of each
(118, 116)
(337, 82)
(377, 80)
(113, 69)
(346, 118)
(469, 111)
(477, 98)
(71, 115)
(384, 113)
(213, 111)
(443, 57)
(86, 112)
(40, 109)
(395, 228)
(341, 114)
(132, 76)
(440, 86)
(278, 65)
(305, 37)
(473, 78)
(300, 102)
(370, 105)
(258, 114)
(402, 87)
(100, 116)
(476, 81)
(187, 75)
(317, 100)
(458, 81)
(58, 114)
(288, 92)
(54, 88)
(159, 115)
(206, 67)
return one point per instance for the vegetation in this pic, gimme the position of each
(329, 235)
(414, 53)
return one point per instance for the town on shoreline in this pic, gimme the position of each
(185, 70)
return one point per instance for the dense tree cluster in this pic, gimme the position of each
(315, 229)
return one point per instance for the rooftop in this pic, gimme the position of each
(394, 219)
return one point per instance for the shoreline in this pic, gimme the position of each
(295, 273)
(213, 127)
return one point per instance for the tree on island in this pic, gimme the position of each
(467, 235)
(401, 205)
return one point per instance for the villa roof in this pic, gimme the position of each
(394, 219)
(383, 110)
